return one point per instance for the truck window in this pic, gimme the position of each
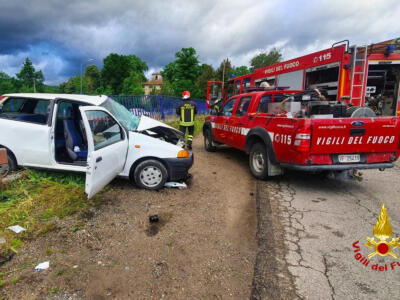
(263, 104)
(228, 107)
(246, 82)
(237, 87)
(243, 106)
(324, 77)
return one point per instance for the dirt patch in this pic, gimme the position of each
(203, 246)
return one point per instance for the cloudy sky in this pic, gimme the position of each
(59, 35)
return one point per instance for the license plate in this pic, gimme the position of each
(349, 158)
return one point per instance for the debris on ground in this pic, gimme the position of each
(178, 185)
(16, 228)
(154, 219)
(5, 258)
(42, 266)
(2, 240)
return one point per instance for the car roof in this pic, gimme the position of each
(94, 100)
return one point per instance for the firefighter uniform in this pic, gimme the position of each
(186, 111)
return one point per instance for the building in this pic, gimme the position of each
(155, 83)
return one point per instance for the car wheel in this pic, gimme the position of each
(258, 161)
(11, 165)
(208, 142)
(150, 175)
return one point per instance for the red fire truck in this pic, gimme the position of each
(357, 75)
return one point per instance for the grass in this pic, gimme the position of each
(198, 124)
(36, 200)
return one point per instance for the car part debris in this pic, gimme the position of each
(178, 185)
(42, 266)
(154, 219)
(16, 228)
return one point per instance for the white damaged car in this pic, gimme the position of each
(91, 134)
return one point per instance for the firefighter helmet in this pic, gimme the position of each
(185, 95)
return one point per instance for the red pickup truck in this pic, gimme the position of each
(282, 129)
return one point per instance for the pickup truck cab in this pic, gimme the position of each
(283, 129)
(91, 134)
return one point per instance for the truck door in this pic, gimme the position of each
(214, 93)
(107, 148)
(239, 123)
(221, 124)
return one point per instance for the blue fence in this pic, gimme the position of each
(155, 106)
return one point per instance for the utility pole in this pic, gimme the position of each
(34, 83)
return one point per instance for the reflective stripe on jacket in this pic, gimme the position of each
(186, 110)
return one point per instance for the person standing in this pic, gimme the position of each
(187, 111)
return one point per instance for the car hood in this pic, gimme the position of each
(160, 130)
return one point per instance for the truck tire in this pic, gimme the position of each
(208, 141)
(258, 161)
(150, 175)
(11, 166)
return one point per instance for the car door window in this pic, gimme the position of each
(263, 104)
(243, 106)
(105, 130)
(228, 108)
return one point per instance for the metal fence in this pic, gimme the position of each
(155, 106)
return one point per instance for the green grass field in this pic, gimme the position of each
(36, 201)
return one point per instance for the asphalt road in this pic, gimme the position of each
(307, 227)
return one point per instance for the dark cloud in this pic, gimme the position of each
(60, 35)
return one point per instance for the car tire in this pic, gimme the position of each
(258, 161)
(208, 141)
(11, 166)
(150, 175)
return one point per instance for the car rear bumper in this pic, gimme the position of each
(178, 168)
(316, 168)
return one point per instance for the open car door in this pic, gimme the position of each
(214, 92)
(107, 148)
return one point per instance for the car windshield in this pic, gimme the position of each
(124, 116)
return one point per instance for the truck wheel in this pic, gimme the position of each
(208, 142)
(150, 175)
(258, 161)
(11, 165)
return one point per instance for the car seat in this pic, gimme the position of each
(73, 141)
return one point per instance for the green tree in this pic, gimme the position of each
(207, 74)
(226, 63)
(240, 71)
(182, 73)
(133, 84)
(7, 84)
(119, 67)
(266, 59)
(92, 79)
(29, 78)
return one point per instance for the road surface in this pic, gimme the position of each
(313, 222)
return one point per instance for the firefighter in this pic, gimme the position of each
(186, 111)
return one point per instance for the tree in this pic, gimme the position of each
(207, 74)
(240, 71)
(119, 67)
(7, 84)
(133, 84)
(263, 59)
(92, 78)
(183, 72)
(225, 64)
(29, 78)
